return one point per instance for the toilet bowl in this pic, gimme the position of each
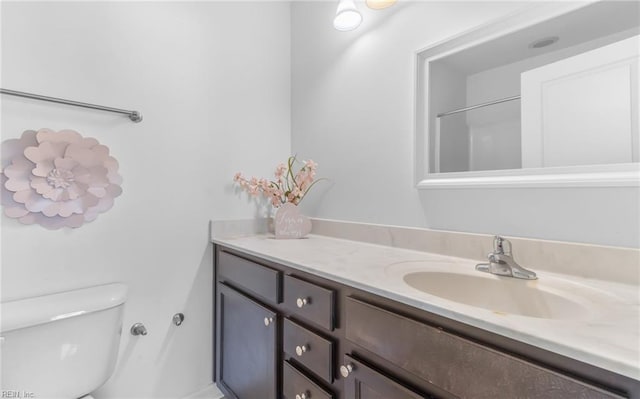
(63, 345)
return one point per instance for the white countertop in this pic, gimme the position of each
(608, 338)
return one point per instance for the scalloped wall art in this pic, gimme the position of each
(57, 179)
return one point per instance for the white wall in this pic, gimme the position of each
(453, 149)
(495, 130)
(352, 112)
(212, 80)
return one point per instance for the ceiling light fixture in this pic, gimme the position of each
(347, 16)
(380, 4)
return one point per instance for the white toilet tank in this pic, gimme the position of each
(63, 345)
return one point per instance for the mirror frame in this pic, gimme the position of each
(605, 175)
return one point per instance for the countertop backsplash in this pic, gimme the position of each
(615, 264)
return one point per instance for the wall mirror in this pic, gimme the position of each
(544, 97)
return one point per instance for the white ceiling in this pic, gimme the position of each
(585, 24)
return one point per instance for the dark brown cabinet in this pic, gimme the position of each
(296, 385)
(247, 346)
(283, 333)
(431, 353)
(309, 301)
(255, 279)
(311, 350)
(363, 382)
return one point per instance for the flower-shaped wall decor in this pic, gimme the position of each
(57, 179)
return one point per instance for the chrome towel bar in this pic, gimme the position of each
(135, 116)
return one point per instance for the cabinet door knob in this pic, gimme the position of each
(268, 321)
(346, 369)
(300, 350)
(302, 301)
(303, 395)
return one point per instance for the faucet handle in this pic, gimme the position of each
(501, 246)
(497, 245)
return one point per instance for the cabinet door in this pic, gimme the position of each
(362, 382)
(246, 346)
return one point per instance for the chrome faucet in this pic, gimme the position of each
(501, 262)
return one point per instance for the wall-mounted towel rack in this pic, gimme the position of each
(135, 116)
(502, 100)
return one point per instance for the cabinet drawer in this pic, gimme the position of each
(459, 366)
(363, 382)
(244, 274)
(295, 384)
(309, 301)
(311, 350)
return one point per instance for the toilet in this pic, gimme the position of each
(63, 345)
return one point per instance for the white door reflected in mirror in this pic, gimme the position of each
(582, 110)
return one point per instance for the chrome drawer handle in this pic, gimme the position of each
(268, 321)
(303, 395)
(302, 301)
(300, 350)
(346, 369)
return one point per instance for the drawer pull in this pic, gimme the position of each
(346, 369)
(300, 350)
(268, 321)
(300, 302)
(303, 395)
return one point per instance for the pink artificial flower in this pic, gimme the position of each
(300, 177)
(296, 186)
(254, 190)
(275, 201)
(311, 165)
(280, 170)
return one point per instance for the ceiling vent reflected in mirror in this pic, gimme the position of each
(544, 42)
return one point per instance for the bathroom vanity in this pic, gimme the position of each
(301, 319)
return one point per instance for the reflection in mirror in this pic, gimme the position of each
(559, 93)
(485, 137)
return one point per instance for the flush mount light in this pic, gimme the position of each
(380, 4)
(347, 16)
(544, 42)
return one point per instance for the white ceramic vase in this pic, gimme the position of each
(290, 223)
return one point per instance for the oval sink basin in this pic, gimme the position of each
(502, 295)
